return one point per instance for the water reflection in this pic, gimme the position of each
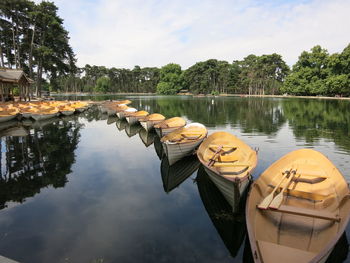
(122, 197)
(35, 158)
(174, 175)
(231, 227)
(132, 129)
(147, 137)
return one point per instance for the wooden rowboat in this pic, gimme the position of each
(183, 141)
(135, 116)
(113, 109)
(229, 162)
(149, 121)
(45, 114)
(121, 114)
(169, 125)
(66, 110)
(297, 209)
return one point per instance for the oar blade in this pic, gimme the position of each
(266, 202)
(277, 201)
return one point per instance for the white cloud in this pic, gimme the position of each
(154, 33)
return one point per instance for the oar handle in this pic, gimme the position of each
(212, 159)
(285, 173)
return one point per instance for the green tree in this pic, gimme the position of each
(103, 85)
(170, 81)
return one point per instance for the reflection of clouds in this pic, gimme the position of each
(114, 207)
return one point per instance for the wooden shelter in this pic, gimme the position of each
(10, 78)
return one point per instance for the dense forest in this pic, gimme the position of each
(33, 38)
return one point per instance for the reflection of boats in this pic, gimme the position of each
(8, 124)
(17, 131)
(158, 147)
(42, 123)
(147, 137)
(174, 175)
(231, 227)
(135, 116)
(169, 125)
(303, 222)
(149, 121)
(121, 124)
(183, 141)
(229, 162)
(132, 129)
(111, 119)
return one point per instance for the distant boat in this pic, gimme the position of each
(229, 162)
(66, 110)
(231, 227)
(297, 209)
(169, 125)
(121, 113)
(45, 114)
(183, 141)
(176, 174)
(147, 137)
(135, 116)
(149, 121)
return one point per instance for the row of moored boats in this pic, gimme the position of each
(40, 110)
(295, 211)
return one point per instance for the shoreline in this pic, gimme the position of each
(204, 95)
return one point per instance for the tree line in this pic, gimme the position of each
(33, 38)
(315, 73)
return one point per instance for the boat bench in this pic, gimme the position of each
(305, 212)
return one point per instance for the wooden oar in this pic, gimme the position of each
(212, 159)
(264, 204)
(277, 201)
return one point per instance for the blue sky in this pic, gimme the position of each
(154, 32)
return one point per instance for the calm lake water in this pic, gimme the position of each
(89, 188)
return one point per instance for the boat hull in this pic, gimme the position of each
(176, 151)
(231, 190)
(39, 117)
(67, 113)
(164, 131)
(132, 119)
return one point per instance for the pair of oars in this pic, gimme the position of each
(275, 202)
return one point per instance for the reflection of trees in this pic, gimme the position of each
(315, 119)
(251, 114)
(38, 160)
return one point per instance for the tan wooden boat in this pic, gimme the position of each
(297, 209)
(176, 174)
(134, 117)
(125, 102)
(79, 106)
(113, 109)
(28, 111)
(121, 114)
(183, 141)
(229, 162)
(230, 227)
(169, 125)
(66, 110)
(149, 121)
(45, 114)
